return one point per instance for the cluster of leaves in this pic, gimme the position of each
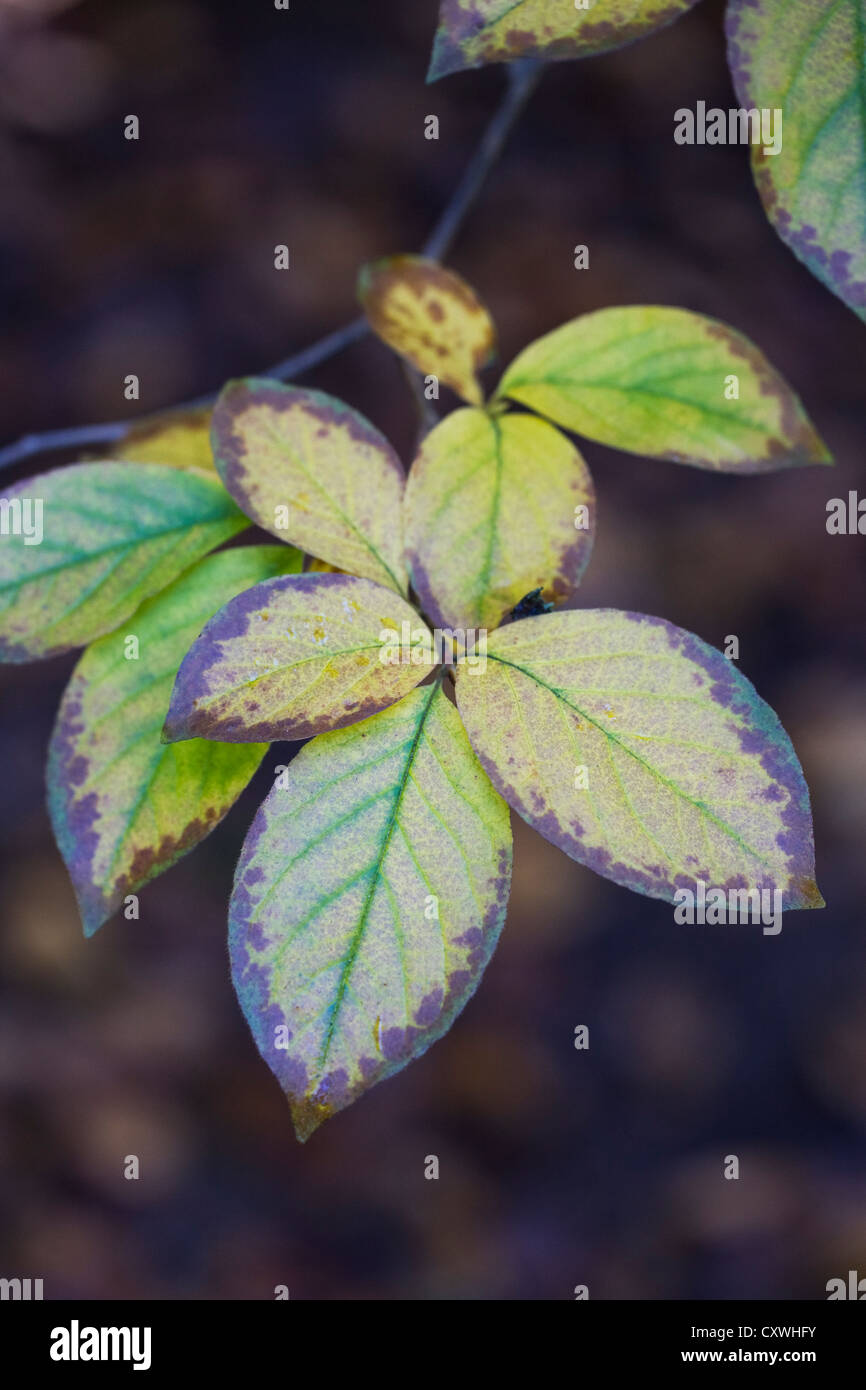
(373, 883)
(806, 58)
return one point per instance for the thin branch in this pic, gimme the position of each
(81, 437)
(84, 436)
(522, 77)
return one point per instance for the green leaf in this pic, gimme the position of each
(431, 317)
(113, 534)
(369, 897)
(495, 507)
(293, 657)
(642, 753)
(807, 61)
(125, 807)
(313, 472)
(474, 32)
(668, 384)
(177, 439)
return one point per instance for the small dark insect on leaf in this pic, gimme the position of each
(532, 605)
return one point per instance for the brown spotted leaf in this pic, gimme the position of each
(178, 439)
(432, 318)
(474, 32)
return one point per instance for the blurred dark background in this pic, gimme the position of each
(558, 1167)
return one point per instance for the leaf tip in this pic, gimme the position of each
(93, 916)
(172, 731)
(447, 58)
(308, 1115)
(813, 450)
(822, 453)
(808, 894)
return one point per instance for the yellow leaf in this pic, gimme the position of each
(496, 507)
(178, 439)
(642, 753)
(290, 658)
(314, 473)
(432, 318)
(474, 32)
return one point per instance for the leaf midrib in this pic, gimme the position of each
(296, 456)
(576, 387)
(385, 843)
(83, 557)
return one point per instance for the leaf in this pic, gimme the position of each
(125, 807)
(293, 657)
(492, 513)
(177, 439)
(314, 566)
(113, 534)
(336, 478)
(808, 61)
(368, 899)
(653, 381)
(688, 774)
(474, 32)
(431, 317)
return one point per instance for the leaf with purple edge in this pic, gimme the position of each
(667, 384)
(368, 899)
(474, 32)
(496, 506)
(808, 61)
(642, 753)
(313, 472)
(123, 805)
(113, 534)
(294, 657)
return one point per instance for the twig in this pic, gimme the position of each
(523, 76)
(80, 437)
(83, 436)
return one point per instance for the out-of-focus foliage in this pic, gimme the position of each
(179, 439)
(807, 62)
(474, 32)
